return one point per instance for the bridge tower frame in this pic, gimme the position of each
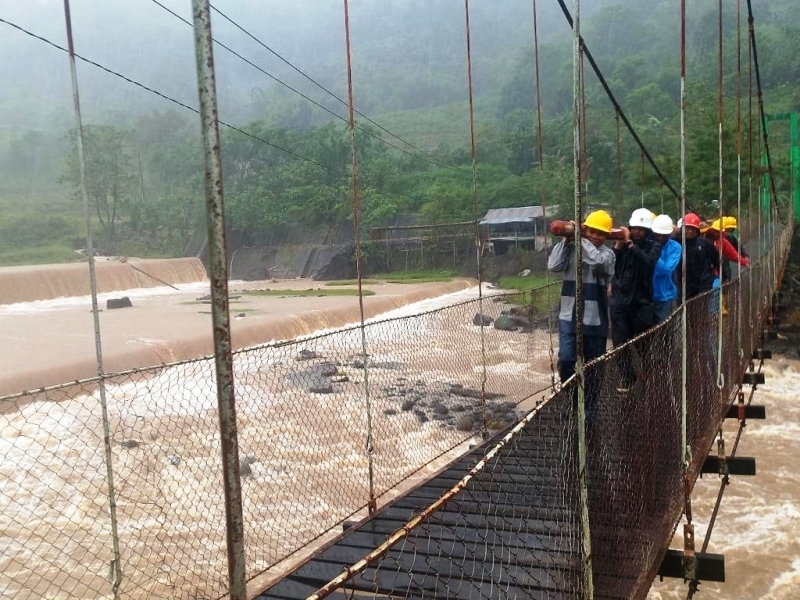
(794, 160)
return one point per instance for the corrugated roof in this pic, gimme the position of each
(521, 214)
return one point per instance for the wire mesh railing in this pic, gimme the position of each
(304, 461)
(333, 424)
(510, 527)
(302, 436)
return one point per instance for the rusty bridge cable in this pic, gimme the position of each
(721, 201)
(158, 93)
(580, 408)
(330, 93)
(372, 506)
(116, 561)
(617, 105)
(334, 114)
(760, 96)
(478, 244)
(542, 192)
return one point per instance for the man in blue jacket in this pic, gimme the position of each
(665, 292)
(597, 273)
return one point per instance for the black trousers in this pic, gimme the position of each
(628, 321)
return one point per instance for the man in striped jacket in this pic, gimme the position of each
(597, 273)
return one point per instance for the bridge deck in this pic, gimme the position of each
(510, 533)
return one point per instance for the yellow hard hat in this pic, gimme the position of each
(704, 226)
(729, 223)
(716, 225)
(599, 220)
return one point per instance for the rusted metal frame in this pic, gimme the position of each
(689, 559)
(578, 127)
(542, 193)
(116, 562)
(220, 315)
(739, 166)
(478, 248)
(619, 158)
(372, 503)
(720, 122)
(403, 532)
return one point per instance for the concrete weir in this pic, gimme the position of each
(47, 282)
(48, 342)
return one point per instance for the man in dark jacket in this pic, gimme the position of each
(702, 259)
(632, 310)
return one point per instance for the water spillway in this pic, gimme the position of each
(46, 282)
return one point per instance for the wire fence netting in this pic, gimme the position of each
(450, 421)
(302, 422)
(505, 520)
(430, 383)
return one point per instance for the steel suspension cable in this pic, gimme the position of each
(357, 225)
(584, 134)
(292, 89)
(739, 174)
(220, 303)
(330, 93)
(752, 32)
(586, 540)
(619, 158)
(721, 231)
(641, 182)
(116, 563)
(158, 93)
(478, 244)
(750, 159)
(617, 105)
(685, 449)
(542, 193)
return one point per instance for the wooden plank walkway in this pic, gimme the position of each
(513, 532)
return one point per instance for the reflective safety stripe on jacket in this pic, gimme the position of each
(598, 270)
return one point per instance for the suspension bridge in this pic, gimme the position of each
(444, 460)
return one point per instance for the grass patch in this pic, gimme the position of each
(533, 291)
(39, 255)
(307, 293)
(515, 282)
(341, 282)
(420, 276)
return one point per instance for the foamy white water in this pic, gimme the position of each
(758, 527)
(40, 306)
(308, 470)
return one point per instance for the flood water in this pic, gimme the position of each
(308, 469)
(758, 525)
(169, 494)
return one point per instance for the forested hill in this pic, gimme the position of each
(409, 70)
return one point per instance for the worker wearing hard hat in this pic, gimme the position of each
(730, 224)
(632, 288)
(597, 272)
(665, 292)
(716, 233)
(702, 259)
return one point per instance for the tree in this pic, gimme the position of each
(111, 175)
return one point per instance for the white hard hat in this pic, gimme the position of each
(680, 223)
(662, 224)
(641, 217)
